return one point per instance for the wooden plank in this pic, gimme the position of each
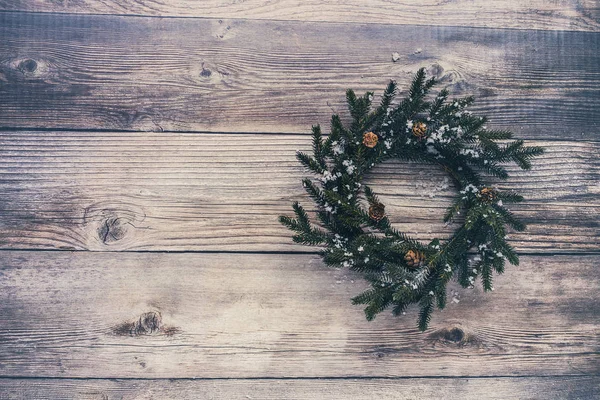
(166, 191)
(548, 388)
(527, 14)
(199, 315)
(107, 72)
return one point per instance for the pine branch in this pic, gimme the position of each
(301, 215)
(440, 293)
(486, 276)
(377, 117)
(371, 197)
(510, 197)
(425, 312)
(438, 103)
(310, 163)
(318, 147)
(510, 219)
(454, 209)
(338, 131)
(314, 192)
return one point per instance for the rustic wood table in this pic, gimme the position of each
(147, 148)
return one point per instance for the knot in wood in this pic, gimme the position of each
(112, 223)
(454, 335)
(28, 66)
(112, 229)
(435, 70)
(149, 323)
(205, 73)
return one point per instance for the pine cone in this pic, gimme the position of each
(487, 194)
(370, 139)
(414, 258)
(419, 129)
(377, 211)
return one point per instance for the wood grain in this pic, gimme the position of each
(270, 315)
(547, 388)
(528, 14)
(224, 104)
(129, 73)
(166, 191)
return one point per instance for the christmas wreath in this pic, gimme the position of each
(355, 231)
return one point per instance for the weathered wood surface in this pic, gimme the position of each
(77, 314)
(167, 191)
(527, 14)
(546, 388)
(130, 320)
(127, 73)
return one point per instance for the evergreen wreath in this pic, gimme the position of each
(355, 231)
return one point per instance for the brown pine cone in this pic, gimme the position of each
(377, 211)
(370, 140)
(414, 258)
(419, 129)
(487, 194)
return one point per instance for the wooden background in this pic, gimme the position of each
(147, 148)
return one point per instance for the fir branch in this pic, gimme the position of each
(319, 150)
(438, 103)
(524, 156)
(426, 305)
(486, 276)
(377, 117)
(310, 163)
(301, 215)
(455, 208)
(371, 197)
(509, 218)
(510, 197)
(440, 293)
(338, 131)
